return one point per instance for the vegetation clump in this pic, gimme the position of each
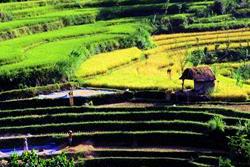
(239, 146)
(216, 124)
(32, 159)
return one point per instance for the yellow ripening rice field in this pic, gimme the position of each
(169, 55)
(101, 63)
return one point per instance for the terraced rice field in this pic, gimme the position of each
(107, 61)
(113, 44)
(120, 136)
(51, 38)
(171, 50)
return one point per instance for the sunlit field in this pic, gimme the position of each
(96, 83)
(170, 52)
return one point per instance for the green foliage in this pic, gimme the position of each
(242, 74)
(50, 69)
(239, 145)
(224, 6)
(179, 21)
(219, 7)
(14, 160)
(228, 55)
(227, 24)
(200, 11)
(5, 16)
(31, 159)
(172, 23)
(196, 57)
(244, 71)
(51, 46)
(216, 124)
(142, 39)
(220, 56)
(60, 161)
(213, 19)
(242, 13)
(238, 77)
(223, 162)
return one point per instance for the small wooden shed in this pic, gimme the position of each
(204, 79)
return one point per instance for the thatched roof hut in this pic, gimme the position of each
(203, 78)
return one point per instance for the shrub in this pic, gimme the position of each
(59, 161)
(31, 159)
(196, 57)
(174, 23)
(216, 124)
(238, 77)
(142, 39)
(244, 71)
(244, 128)
(239, 146)
(4, 16)
(223, 162)
(14, 160)
(179, 21)
(224, 55)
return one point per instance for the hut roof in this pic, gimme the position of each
(201, 74)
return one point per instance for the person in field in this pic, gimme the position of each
(70, 137)
(71, 98)
(25, 145)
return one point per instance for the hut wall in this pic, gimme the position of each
(203, 87)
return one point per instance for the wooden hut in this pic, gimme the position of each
(204, 79)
